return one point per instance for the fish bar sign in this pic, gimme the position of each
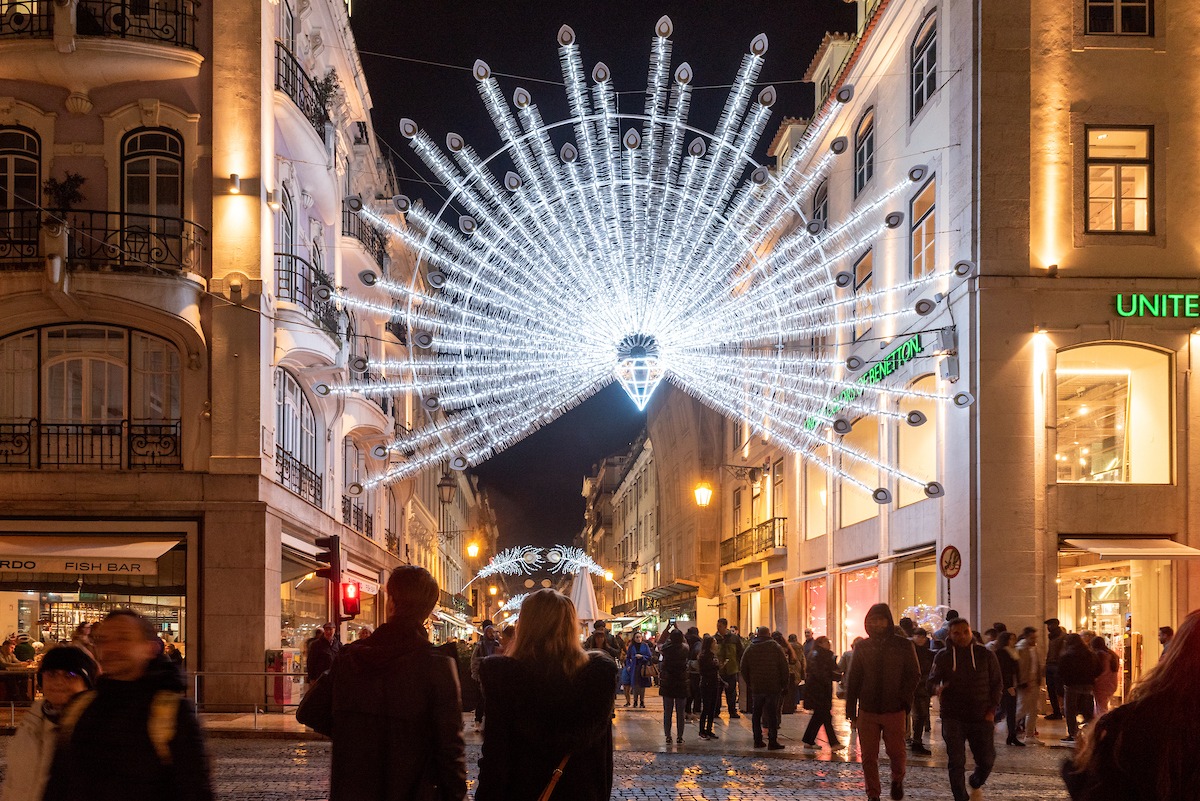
(78, 565)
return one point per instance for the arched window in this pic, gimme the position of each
(297, 451)
(820, 210)
(864, 151)
(917, 445)
(20, 192)
(152, 173)
(1113, 415)
(358, 504)
(287, 222)
(857, 503)
(924, 64)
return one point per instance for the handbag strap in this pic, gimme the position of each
(554, 777)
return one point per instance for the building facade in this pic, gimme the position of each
(172, 226)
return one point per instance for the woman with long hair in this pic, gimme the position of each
(1145, 749)
(1010, 678)
(1105, 684)
(550, 706)
(638, 656)
(672, 683)
(710, 686)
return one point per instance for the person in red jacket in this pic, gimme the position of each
(879, 692)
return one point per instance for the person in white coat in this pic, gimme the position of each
(65, 672)
(1029, 683)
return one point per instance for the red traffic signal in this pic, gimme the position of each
(351, 601)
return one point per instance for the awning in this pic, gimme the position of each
(1135, 548)
(455, 619)
(136, 556)
(677, 587)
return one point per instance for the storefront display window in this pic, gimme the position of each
(914, 584)
(365, 618)
(815, 606)
(860, 591)
(1114, 415)
(857, 503)
(304, 603)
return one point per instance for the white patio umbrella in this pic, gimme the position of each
(583, 595)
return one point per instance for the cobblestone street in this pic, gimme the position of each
(725, 770)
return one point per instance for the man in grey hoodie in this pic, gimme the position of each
(879, 693)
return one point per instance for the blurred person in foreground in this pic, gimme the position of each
(550, 706)
(1145, 749)
(64, 673)
(386, 688)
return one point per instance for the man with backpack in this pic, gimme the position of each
(134, 736)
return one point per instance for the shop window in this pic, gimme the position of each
(1119, 180)
(922, 252)
(917, 445)
(924, 65)
(864, 151)
(914, 587)
(1113, 415)
(816, 604)
(1119, 17)
(864, 285)
(816, 495)
(857, 503)
(860, 591)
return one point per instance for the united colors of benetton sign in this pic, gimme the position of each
(1138, 304)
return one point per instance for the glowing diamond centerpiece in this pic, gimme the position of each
(639, 367)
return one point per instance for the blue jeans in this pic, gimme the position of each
(958, 734)
(673, 704)
(764, 712)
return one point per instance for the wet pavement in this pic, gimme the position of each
(271, 764)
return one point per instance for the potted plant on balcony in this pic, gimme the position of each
(325, 90)
(61, 196)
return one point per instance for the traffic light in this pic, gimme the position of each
(332, 556)
(350, 599)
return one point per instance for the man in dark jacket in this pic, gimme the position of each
(1054, 686)
(134, 736)
(322, 651)
(488, 644)
(729, 657)
(602, 640)
(765, 668)
(966, 679)
(388, 687)
(879, 693)
(920, 707)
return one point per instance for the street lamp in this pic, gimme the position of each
(608, 575)
(472, 549)
(741, 472)
(492, 590)
(446, 487)
(704, 493)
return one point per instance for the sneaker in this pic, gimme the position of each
(679, 739)
(759, 744)
(1067, 739)
(1055, 716)
(775, 746)
(807, 744)
(1016, 742)
(712, 736)
(897, 791)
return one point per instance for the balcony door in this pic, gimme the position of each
(20, 182)
(84, 395)
(152, 194)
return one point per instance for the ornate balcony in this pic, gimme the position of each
(102, 241)
(356, 517)
(293, 81)
(766, 536)
(391, 541)
(298, 477)
(297, 281)
(123, 445)
(372, 241)
(92, 43)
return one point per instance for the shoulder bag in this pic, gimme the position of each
(554, 777)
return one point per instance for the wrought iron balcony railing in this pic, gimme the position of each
(170, 22)
(298, 477)
(371, 240)
(356, 517)
(119, 445)
(391, 541)
(105, 240)
(297, 281)
(766, 536)
(293, 81)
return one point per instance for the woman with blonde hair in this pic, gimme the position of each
(1145, 750)
(550, 707)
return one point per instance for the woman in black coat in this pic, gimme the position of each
(710, 686)
(673, 683)
(548, 701)
(818, 693)
(1010, 677)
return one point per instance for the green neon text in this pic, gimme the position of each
(881, 370)
(1170, 305)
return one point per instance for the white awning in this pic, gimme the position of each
(1135, 548)
(136, 556)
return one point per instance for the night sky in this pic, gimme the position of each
(535, 485)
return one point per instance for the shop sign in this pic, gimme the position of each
(950, 562)
(889, 364)
(1138, 304)
(79, 564)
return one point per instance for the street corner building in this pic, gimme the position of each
(177, 182)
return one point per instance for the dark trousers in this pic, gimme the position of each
(1008, 706)
(1079, 703)
(764, 712)
(710, 705)
(479, 707)
(978, 734)
(920, 719)
(693, 700)
(673, 704)
(731, 690)
(1054, 688)
(821, 717)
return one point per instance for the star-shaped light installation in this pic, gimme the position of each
(637, 248)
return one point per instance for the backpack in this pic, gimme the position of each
(160, 723)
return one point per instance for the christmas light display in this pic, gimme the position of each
(520, 560)
(635, 247)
